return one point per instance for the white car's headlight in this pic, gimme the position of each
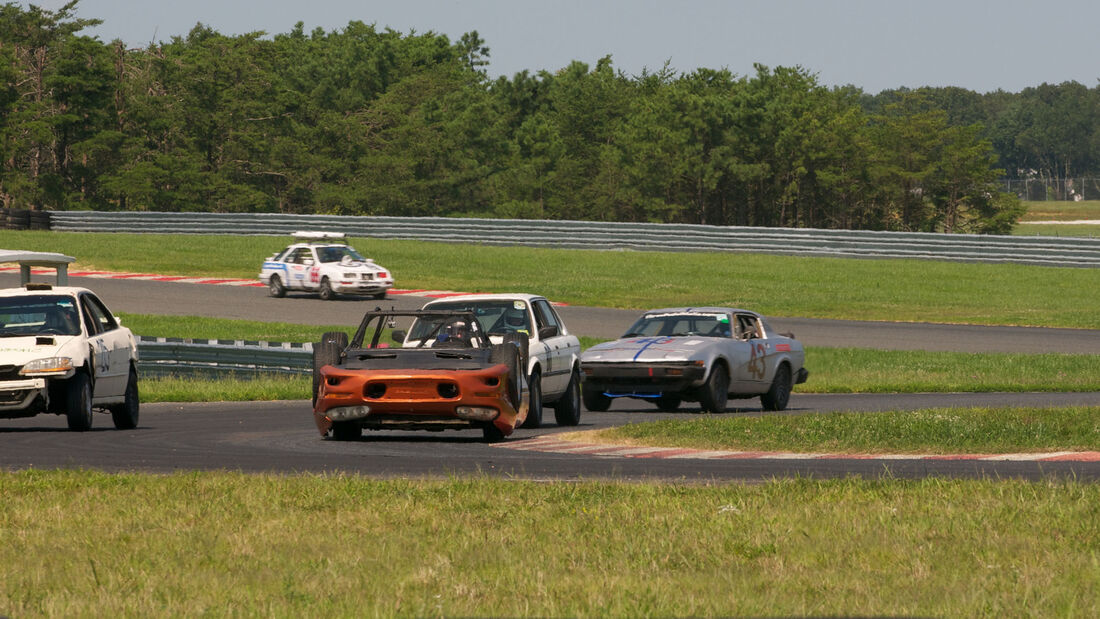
(50, 365)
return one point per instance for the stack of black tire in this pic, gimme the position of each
(23, 219)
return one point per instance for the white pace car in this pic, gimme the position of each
(703, 354)
(63, 352)
(322, 263)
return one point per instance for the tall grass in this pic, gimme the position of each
(89, 544)
(909, 290)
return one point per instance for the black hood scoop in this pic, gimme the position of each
(44, 340)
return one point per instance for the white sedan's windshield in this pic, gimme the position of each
(336, 253)
(38, 315)
(496, 317)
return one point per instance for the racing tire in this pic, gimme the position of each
(595, 400)
(492, 433)
(346, 431)
(327, 352)
(508, 354)
(780, 392)
(125, 415)
(326, 292)
(78, 403)
(275, 287)
(714, 393)
(668, 402)
(567, 410)
(534, 408)
(380, 295)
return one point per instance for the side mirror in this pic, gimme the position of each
(547, 331)
(398, 336)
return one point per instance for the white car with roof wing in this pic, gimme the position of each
(702, 354)
(552, 353)
(323, 263)
(63, 352)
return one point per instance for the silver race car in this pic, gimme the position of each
(702, 354)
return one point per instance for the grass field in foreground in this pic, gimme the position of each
(929, 431)
(89, 544)
(907, 290)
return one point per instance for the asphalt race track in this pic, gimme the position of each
(281, 437)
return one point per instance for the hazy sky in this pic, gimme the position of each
(872, 44)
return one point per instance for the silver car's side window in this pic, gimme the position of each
(747, 327)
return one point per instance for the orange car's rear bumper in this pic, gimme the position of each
(417, 399)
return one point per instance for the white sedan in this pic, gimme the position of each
(63, 352)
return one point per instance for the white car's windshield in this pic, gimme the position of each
(680, 324)
(38, 315)
(336, 253)
(496, 317)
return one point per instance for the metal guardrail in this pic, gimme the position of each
(1049, 251)
(159, 356)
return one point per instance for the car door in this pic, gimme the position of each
(555, 377)
(110, 348)
(748, 364)
(299, 263)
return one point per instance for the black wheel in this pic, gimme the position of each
(669, 402)
(508, 354)
(346, 431)
(567, 411)
(780, 392)
(275, 287)
(125, 415)
(326, 292)
(327, 352)
(714, 393)
(534, 408)
(78, 403)
(595, 400)
(492, 434)
(380, 295)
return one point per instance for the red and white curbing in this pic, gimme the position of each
(216, 281)
(550, 444)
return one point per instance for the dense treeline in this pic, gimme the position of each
(363, 121)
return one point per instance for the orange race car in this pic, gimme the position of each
(447, 376)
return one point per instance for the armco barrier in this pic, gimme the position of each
(1052, 251)
(159, 356)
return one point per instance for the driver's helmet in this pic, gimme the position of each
(515, 319)
(454, 331)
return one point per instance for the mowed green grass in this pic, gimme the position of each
(904, 290)
(80, 543)
(928, 431)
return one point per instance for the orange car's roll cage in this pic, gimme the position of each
(385, 319)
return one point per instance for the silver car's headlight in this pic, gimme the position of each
(50, 365)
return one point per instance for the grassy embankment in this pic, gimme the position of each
(904, 290)
(81, 543)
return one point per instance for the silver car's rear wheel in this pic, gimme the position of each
(780, 392)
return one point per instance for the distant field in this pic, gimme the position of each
(1061, 210)
(1066, 230)
(905, 290)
